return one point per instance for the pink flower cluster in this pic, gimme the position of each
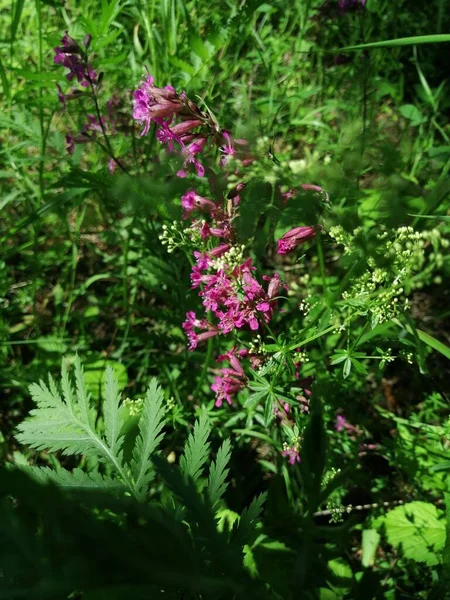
(233, 295)
(69, 55)
(229, 290)
(232, 379)
(179, 121)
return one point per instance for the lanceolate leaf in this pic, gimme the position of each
(407, 41)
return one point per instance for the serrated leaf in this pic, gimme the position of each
(249, 517)
(218, 473)
(196, 451)
(76, 479)
(150, 435)
(418, 530)
(113, 420)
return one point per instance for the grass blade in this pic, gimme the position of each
(408, 41)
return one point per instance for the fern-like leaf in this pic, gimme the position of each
(67, 424)
(76, 479)
(248, 520)
(83, 396)
(150, 435)
(196, 451)
(113, 422)
(218, 473)
(53, 425)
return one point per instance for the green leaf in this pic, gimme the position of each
(113, 421)
(431, 341)
(95, 375)
(445, 218)
(218, 473)
(75, 480)
(370, 541)
(347, 368)
(256, 198)
(83, 396)
(151, 423)
(249, 517)
(268, 409)
(413, 114)
(408, 41)
(196, 451)
(18, 7)
(5, 83)
(418, 530)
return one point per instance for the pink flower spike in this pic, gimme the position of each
(294, 237)
(341, 422)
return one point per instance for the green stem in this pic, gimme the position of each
(295, 345)
(321, 262)
(204, 373)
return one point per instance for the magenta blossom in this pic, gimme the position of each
(292, 453)
(192, 201)
(232, 379)
(341, 421)
(191, 323)
(295, 237)
(349, 5)
(68, 55)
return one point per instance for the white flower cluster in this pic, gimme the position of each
(172, 236)
(134, 407)
(231, 259)
(383, 290)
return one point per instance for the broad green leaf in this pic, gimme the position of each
(413, 114)
(418, 529)
(370, 541)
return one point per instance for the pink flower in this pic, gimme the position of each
(68, 55)
(294, 237)
(341, 421)
(191, 151)
(227, 149)
(151, 103)
(292, 453)
(192, 201)
(231, 380)
(191, 323)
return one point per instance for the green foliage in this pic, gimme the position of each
(197, 449)
(417, 530)
(348, 382)
(67, 423)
